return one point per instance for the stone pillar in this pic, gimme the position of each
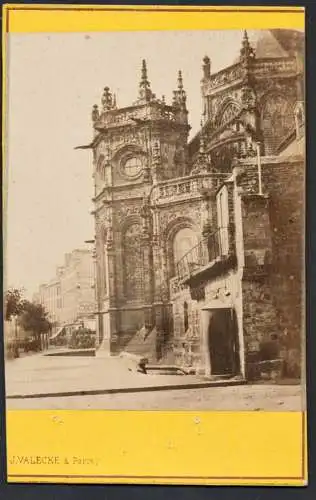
(147, 262)
(108, 312)
(206, 213)
(148, 280)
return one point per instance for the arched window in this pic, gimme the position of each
(184, 241)
(228, 112)
(100, 168)
(277, 121)
(133, 263)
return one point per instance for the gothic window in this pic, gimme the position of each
(229, 112)
(133, 263)
(277, 119)
(184, 241)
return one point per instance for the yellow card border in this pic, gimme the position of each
(66, 18)
(285, 431)
(26, 18)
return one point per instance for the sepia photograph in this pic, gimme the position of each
(154, 220)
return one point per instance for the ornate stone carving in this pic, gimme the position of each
(189, 212)
(248, 98)
(95, 113)
(223, 77)
(124, 211)
(134, 272)
(227, 113)
(145, 214)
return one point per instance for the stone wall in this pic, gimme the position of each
(189, 346)
(286, 183)
(273, 286)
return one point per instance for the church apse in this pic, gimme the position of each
(183, 220)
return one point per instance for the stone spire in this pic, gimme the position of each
(202, 161)
(145, 93)
(179, 95)
(247, 53)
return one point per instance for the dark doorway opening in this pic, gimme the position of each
(223, 342)
(185, 316)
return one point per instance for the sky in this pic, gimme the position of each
(52, 82)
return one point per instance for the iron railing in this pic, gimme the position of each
(207, 250)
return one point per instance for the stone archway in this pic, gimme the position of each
(190, 231)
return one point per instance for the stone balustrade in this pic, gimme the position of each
(152, 112)
(188, 187)
(273, 66)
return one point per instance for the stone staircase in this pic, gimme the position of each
(143, 344)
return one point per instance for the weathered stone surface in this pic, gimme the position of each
(251, 258)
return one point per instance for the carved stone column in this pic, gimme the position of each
(206, 212)
(147, 262)
(108, 305)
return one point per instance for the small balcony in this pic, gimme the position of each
(208, 258)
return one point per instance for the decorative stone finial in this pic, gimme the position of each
(180, 80)
(145, 93)
(179, 95)
(107, 102)
(206, 67)
(95, 113)
(144, 72)
(246, 52)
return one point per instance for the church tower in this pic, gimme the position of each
(134, 148)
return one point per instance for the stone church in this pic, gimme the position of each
(200, 243)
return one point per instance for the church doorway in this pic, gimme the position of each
(222, 340)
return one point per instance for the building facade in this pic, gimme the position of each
(49, 296)
(200, 243)
(77, 287)
(69, 298)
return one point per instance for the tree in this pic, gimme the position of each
(34, 319)
(13, 303)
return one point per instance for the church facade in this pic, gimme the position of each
(200, 243)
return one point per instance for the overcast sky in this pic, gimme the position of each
(54, 79)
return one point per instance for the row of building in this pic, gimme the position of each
(69, 298)
(200, 243)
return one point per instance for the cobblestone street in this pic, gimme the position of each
(40, 374)
(241, 398)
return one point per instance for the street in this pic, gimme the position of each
(42, 375)
(242, 398)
